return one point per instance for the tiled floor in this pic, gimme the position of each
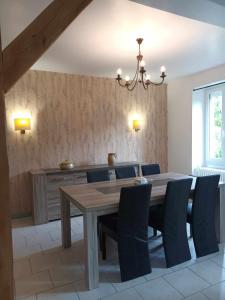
(44, 271)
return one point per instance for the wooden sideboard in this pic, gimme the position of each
(46, 183)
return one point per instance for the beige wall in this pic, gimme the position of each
(80, 118)
(180, 129)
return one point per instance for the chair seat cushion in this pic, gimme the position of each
(156, 216)
(189, 212)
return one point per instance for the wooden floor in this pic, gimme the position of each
(45, 271)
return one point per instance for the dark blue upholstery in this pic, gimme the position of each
(170, 219)
(201, 215)
(96, 176)
(130, 229)
(150, 169)
(125, 172)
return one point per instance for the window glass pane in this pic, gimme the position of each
(215, 125)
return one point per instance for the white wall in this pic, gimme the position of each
(180, 116)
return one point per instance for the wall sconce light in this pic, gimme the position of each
(136, 125)
(22, 124)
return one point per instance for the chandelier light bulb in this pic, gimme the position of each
(142, 64)
(119, 71)
(127, 78)
(148, 77)
(163, 69)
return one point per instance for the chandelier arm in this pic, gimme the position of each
(135, 78)
(121, 84)
(143, 82)
(134, 81)
(157, 83)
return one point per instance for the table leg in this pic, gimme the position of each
(91, 250)
(65, 221)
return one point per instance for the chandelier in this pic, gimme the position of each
(140, 75)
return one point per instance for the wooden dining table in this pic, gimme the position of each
(102, 198)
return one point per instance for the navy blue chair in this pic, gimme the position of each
(201, 215)
(130, 229)
(125, 172)
(96, 176)
(150, 169)
(170, 219)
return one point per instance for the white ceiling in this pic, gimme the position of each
(208, 11)
(103, 38)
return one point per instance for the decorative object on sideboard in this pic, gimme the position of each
(141, 75)
(136, 125)
(112, 158)
(22, 124)
(66, 165)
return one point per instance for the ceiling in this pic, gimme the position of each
(103, 38)
(208, 11)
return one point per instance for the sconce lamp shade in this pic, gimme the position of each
(22, 124)
(136, 125)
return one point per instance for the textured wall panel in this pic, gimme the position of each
(80, 118)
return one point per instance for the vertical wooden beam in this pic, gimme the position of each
(6, 257)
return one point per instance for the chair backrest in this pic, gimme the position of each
(133, 209)
(125, 172)
(133, 231)
(150, 169)
(175, 216)
(203, 214)
(96, 176)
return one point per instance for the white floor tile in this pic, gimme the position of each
(197, 296)
(209, 271)
(52, 246)
(19, 240)
(184, 265)
(105, 289)
(65, 274)
(22, 268)
(130, 294)
(62, 293)
(157, 289)
(219, 260)
(72, 255)
(27, 286)
(38, 238)
(186, 282)
(44, 262)
(216, 292)
(158, 272)
(25, 252)
(120, 286)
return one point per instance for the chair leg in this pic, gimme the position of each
(154, 232)
(103, 245)
(99, 236)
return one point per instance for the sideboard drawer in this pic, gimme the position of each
(54, 210)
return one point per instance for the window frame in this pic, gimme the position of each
(213, 163)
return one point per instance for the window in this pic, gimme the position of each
(215, 126)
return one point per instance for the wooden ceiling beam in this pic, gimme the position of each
(28, 47)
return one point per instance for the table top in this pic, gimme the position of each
(105, 195)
